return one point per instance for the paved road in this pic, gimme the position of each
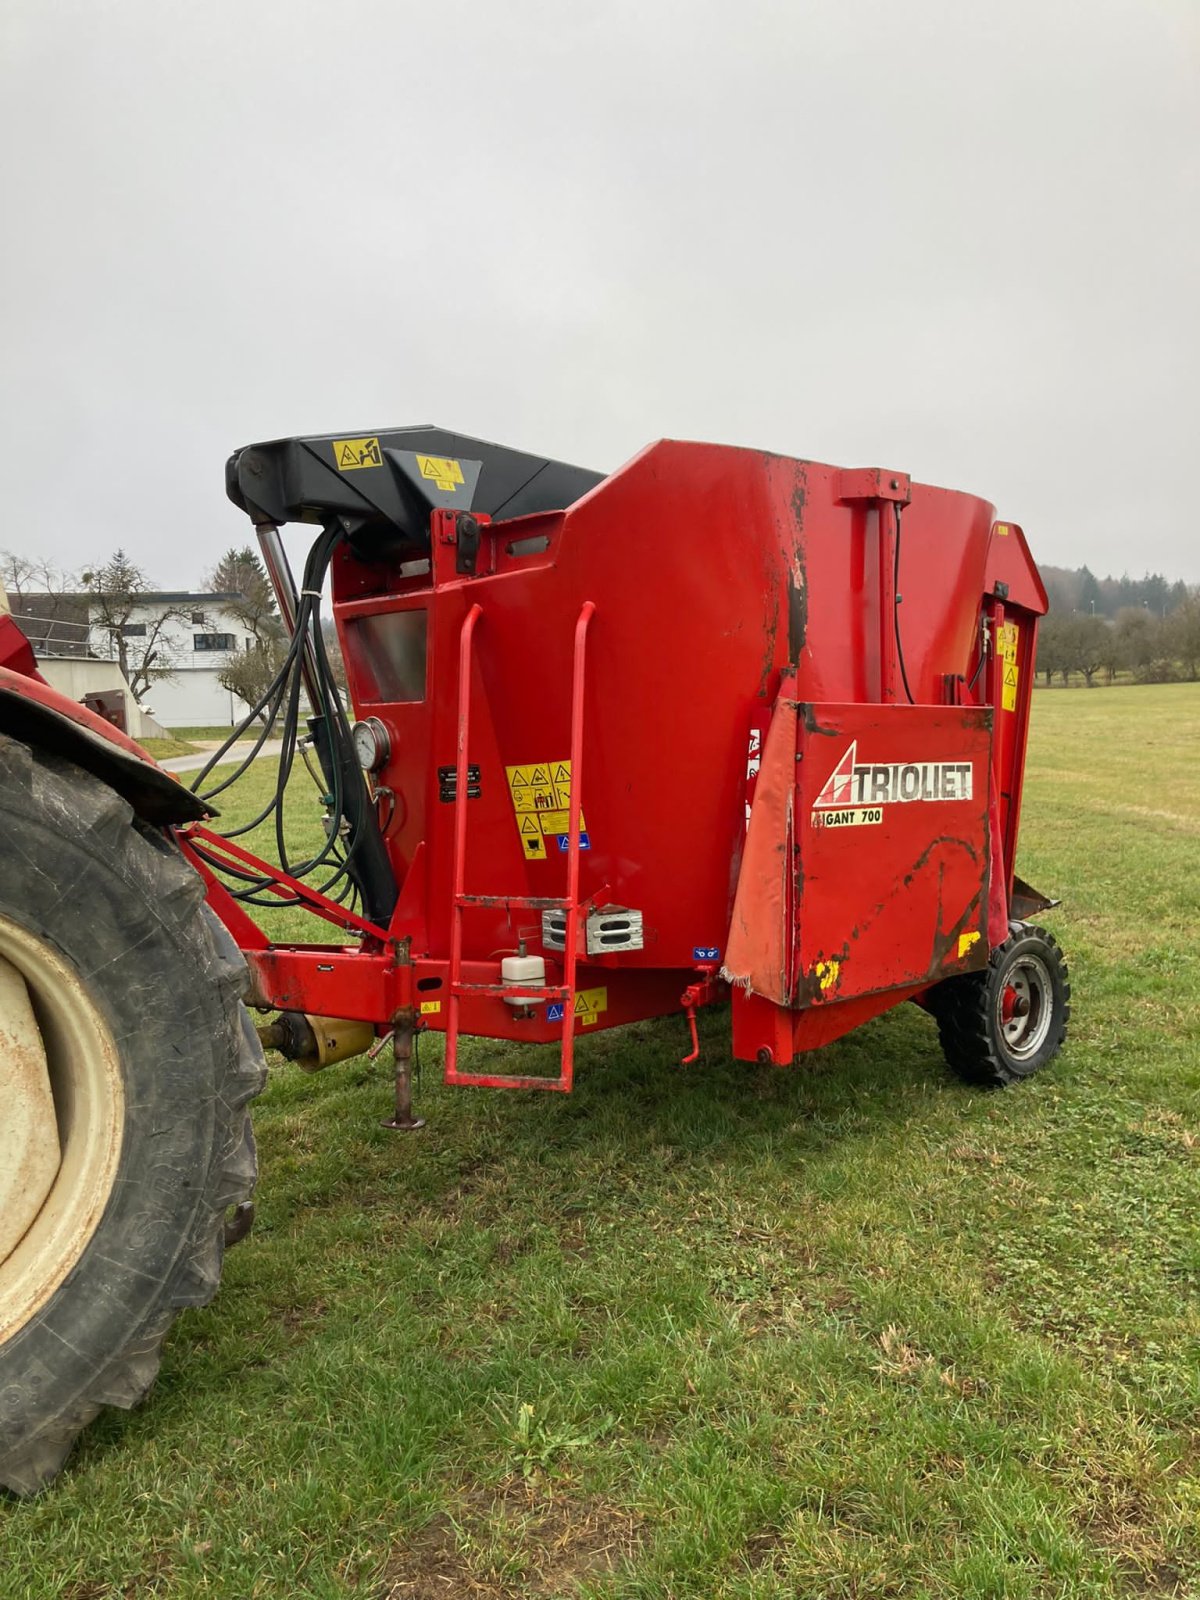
(194, 763)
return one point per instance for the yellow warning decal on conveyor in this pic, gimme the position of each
(442, 471)
(541, 797)
(350, 454)
(1008, 638)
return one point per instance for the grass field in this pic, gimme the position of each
(850, 1329)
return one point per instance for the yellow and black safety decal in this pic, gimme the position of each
(443, 472)
(589, 1003)
(1007, 641)
(541, 797)
(350, 454)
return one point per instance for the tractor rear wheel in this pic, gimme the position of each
(1005, 1022)
(126, 1064)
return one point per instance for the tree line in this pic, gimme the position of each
(1078, 589)
(1153, 648)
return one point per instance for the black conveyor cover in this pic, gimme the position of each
(383, 485)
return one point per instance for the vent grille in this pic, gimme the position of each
(609, 929)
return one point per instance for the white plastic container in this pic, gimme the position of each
(528, 971)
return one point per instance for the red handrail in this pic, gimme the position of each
(570, 904)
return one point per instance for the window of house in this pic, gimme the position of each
(198, 619)
(134, 630)
(213, 641)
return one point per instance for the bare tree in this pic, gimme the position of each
(249, 674)
(1182, 631)
(133, 625)
(1140, 636)
(22, 575)
(1086, 646)
(1050, 647)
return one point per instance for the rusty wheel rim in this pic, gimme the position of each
(60, 1134)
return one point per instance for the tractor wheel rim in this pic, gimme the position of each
(60, 1136)
(1027, 985)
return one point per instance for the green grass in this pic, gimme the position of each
(849, 1329)
(220, 731)
(160, 749)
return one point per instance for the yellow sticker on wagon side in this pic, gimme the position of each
(1008, 639)
(541, 798)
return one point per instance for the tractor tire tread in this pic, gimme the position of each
(41, 1415)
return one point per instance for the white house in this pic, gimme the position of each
(197, 634)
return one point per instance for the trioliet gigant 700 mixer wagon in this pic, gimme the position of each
(722, 726)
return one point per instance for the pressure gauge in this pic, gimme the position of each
(372, 745)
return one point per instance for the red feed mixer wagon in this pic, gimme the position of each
(722, 726)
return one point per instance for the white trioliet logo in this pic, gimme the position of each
(879, 783)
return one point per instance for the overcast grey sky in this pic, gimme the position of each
(955, 238)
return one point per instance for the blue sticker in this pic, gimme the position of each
(564, 841)
(554, 1012)
(706, 952)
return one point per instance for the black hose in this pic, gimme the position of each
(281, 699)
(896, 607)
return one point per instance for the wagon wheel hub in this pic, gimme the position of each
(1024, 1006)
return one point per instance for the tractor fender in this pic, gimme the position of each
(30, 710)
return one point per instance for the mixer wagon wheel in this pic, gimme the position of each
(1005, 1022)
(126, 1064)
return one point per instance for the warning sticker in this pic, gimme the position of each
(350, 454)
(965, 942)
(430, 1008)
(541, 797)
(589, 1003)
(535, 797)
(1007, 640)
(532, 842)
(442, 471)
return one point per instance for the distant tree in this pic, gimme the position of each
(22, 575)
(1086, 645)
(118, 592)
(1050, 654)
(1112, 655)
(1091, 598)
(250, 673)
(1139, 635)
(1181, 633)
(240, 573)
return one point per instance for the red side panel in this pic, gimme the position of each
(760, 948)
(868, 859)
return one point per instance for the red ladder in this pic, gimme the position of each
(564, 993)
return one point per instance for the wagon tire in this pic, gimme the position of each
(120, 1000)
(1006, 1022)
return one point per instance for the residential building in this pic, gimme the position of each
(192, 637)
